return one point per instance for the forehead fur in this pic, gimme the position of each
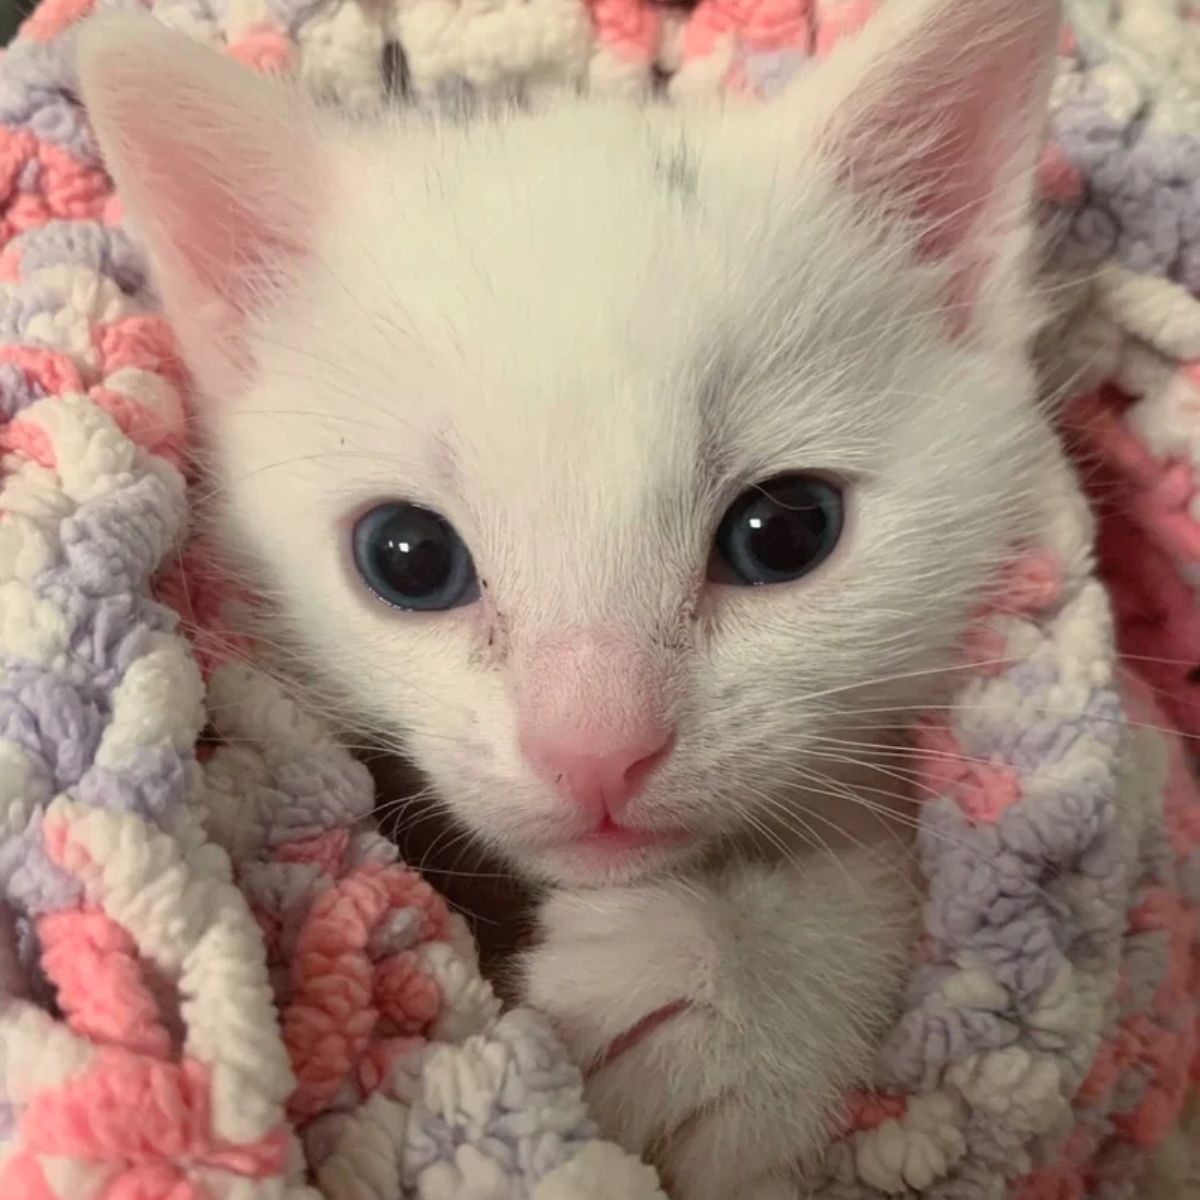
(603, 350)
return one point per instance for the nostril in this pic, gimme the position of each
(598, 777)
(637, 773)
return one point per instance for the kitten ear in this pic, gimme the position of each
(217, 170)
(938, 115)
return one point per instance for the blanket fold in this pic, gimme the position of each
(217, 980)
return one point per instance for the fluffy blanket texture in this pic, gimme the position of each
(217, 981)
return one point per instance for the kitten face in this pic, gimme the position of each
(579, 337)
(582, 410)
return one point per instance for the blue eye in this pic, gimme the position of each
(413, 559)
(777, 531)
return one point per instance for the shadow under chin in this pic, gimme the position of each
(498, 905)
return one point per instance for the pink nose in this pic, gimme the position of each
(600, 780)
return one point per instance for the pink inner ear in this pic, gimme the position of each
(217, 168)
(976, 152)
(219, 242)
(950, 131)
(225, 245)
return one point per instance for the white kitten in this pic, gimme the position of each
(581, 338)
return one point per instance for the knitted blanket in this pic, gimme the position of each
(216, 979)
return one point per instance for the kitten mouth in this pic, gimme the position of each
(609, 838)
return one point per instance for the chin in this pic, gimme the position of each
(582, 865)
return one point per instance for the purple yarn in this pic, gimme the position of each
(537, 1079)
(770, 72)
(199, 10)
(62, 123)
(31, 882)
(291, 14)
(8, 1121)
(109, 548)
(19, 309)
(16, 851)
(52, 721)
(1142, 201)
(17, 391)
(322, 793)
(108, 251)
(35, 75)
(154, 785)
(929, 1039)
(114, 545)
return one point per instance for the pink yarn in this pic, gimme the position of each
(326, 850)
(50, 19)
(628, 28)
(28, 440)
(132, 1110)
(102, 991)
(632, 30)
(343, 996)
(41, 182)
(52, 372)
(21, 1175)
(1060, 1182)
(984, 791)
(139, 1106)
(406, 998)
(265, 48)
(1031, 585)
(199, 592)
(155, 1181)
(1057, 179)
(160, 433)
(1146, 533)
(866, 1110)
(145, 342)
(839, 20)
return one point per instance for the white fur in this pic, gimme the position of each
(791, 975)
(520, 324)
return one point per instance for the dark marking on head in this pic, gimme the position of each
(659, 78)
(397, 78)
(674, 165)
(455, 99)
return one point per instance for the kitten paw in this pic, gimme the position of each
(718, 1021)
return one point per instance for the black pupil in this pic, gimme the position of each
(786, 531)
(413, 553)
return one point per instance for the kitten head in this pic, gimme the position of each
(637, 469)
